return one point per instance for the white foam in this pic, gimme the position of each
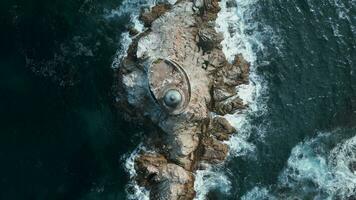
(122, 52)
(133, 190)
(305, 163)
(341, 158)
(258, 193)
(210, 179)
(235, 23)
(329, 172)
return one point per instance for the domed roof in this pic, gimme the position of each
(169, 85)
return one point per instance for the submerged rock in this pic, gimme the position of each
(174, 76)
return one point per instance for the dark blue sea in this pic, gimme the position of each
(61, 137)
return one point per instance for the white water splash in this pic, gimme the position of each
(313, 170)
(133, 190)
(209, 179)
(132, 9)
(233, 23)
(122, 52)
(258, 193)
(341, 159)
(241, 36)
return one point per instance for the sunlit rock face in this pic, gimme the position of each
(174, 77)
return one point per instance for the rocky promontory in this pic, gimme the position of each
(177, 81)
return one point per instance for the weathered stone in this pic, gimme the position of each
(166, 181)
(208, 39)
(221, 128)
(213, 150)
(149, 16)
(229, 106)
(221, 124)
(223, 93)
(184, 137)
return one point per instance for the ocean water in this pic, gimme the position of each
(62, 138)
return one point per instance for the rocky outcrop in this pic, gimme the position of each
(180, 54)
(165, 180)
(148, 16)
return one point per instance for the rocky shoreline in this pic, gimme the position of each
(179, 53)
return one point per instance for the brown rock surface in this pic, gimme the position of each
(148, 16)
(165, 180)
(179, 142)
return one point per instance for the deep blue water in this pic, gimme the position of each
(62, 138)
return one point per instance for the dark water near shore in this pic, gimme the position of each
(62, 138)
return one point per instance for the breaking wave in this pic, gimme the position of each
(210, 179)
(258, 193)
(130, 9)
(315, 171)
(133, 190)
(320, 168)
(243, 35)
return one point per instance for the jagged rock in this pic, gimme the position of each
(166, 181)
(221, 128)
(213, 150)
(229, 106)
(211, 8)
(244, 68)
(184, 41)
(223, 93)
(221, 124)
(133, 31)
(208, 39)
(150, 15)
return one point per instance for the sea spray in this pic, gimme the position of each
(236, 23)
(258, 193)
(132, 10)
(210, 179)
(243, 35)
(316, 171)
(133, 190)
(122, 52)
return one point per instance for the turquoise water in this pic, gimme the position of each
(62, 138)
